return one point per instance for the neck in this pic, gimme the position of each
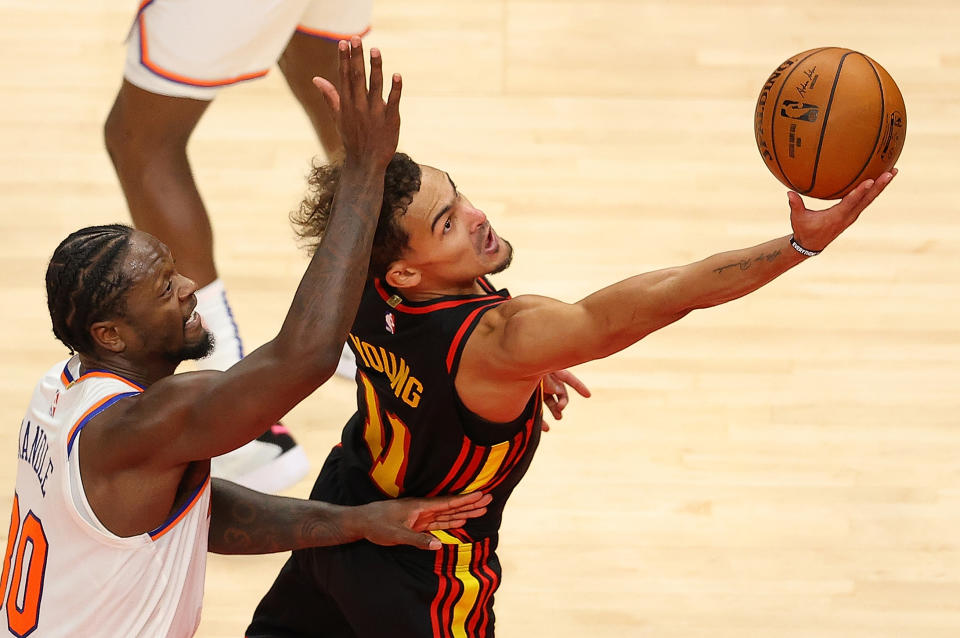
(427, 292)
(144, 376)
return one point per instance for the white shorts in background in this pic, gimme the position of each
(192, 48)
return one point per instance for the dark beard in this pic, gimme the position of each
(506, 262)
(197, 350)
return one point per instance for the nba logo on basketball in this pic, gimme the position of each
(391, 323)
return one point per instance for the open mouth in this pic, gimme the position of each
(192, 321)
(491, 244)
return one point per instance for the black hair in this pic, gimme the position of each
(401, 182)
(86, 282)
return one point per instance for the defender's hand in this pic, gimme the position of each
(555, 395)
(815, 229)
(369, 127)
(403, 521)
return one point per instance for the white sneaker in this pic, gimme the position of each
(347, 367)
(270, 463)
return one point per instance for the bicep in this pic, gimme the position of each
(539, 334)
(199, 415)
(532, 335)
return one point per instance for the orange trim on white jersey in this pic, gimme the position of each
(184, 510)
(330, 35)
(182, 79)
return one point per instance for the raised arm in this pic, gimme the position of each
(196, 416)
(243, 521)
(528, 336)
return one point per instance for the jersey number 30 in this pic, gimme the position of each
(22, 598)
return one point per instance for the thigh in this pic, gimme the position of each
(153, 122)
(377, 591)
(404, 592)
(313, 51)
(409, 593)
(295, 607)
(305, 57)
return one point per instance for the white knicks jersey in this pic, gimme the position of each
(64, 574)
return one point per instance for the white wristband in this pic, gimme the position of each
(803, 251)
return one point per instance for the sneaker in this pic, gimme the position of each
(270, 463)
(347, 367)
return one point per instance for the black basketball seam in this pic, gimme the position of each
(876, 142)
(826, 119)
(773, 114)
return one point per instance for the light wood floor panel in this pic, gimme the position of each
(785, 466)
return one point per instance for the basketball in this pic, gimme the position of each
(827, 119)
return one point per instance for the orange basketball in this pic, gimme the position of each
(827, 119)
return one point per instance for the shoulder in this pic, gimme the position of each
(507, 325)
(161, 403)
(516, 308)
(141, 427)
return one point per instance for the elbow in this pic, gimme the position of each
(326, 366)
(322, 364)
(313, 365)
(679, 295)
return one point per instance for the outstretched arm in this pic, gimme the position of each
(247, 522)
(529, 336)
(199, 415)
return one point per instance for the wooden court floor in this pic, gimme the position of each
(785, 466)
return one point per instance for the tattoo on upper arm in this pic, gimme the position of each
(745, 264)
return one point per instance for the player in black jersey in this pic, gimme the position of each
(450, 380)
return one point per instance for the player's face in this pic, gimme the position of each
(451, 241)
(160, 317)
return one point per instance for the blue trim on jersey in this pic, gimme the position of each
(233, 322)
(186, 504)
(86, 419)
(66, 372)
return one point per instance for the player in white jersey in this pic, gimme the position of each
(149, 584)
(114, 508)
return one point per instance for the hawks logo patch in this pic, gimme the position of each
(391, 323)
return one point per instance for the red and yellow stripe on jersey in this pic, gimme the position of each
(478, 467)
(483, 468)
(462, 607)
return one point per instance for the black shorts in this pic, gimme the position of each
(362, 590)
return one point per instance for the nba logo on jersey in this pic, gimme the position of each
(53, 405)
(391, 323)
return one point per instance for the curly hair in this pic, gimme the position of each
(86, 282)
(401, 182)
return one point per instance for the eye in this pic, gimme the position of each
(169, 287)
(447, 225)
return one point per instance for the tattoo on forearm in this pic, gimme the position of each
(245, 528)
(745, 264)
(343, 270)
(247, 522)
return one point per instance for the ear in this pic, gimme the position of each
(106, 335)
(401, 275)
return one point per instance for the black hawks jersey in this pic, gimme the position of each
(411, 435)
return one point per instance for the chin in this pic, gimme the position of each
(202, 348)
(507, 259)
